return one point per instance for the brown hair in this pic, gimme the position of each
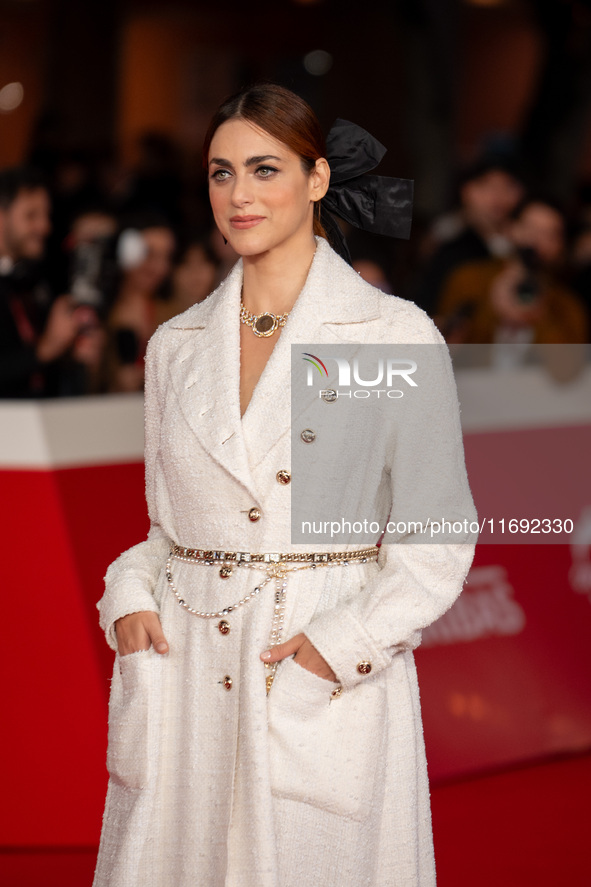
(285, 116)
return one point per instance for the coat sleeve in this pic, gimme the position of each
(417, 580)
(131, 579)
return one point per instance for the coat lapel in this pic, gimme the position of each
(334, 306)
(205, 373)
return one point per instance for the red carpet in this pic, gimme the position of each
(522, 828)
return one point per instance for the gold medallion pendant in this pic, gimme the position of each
(262, 325)
(265, 325)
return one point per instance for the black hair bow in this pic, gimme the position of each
(379, 204)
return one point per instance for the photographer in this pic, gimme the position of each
(38, 335)
(520, 300)
(488, 192)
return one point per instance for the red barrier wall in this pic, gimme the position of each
(504, 675)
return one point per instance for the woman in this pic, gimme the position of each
(193, 278)
(146, 250)
(214, 779)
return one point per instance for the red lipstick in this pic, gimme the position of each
(241, 222)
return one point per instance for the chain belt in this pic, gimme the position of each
(276, 565)
(239, 558)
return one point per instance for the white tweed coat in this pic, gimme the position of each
(217, 787)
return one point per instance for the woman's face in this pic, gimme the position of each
(260, 194)
(541, 227)
(151, 273)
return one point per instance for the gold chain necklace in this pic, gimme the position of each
(262, 325)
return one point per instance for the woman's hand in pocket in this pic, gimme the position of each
(305, 655)
(138, 631)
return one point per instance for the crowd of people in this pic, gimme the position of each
(508, 267)
(88, 271)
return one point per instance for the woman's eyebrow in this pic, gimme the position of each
(250, 161)
(260, 159)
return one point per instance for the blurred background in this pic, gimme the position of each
(105, 232)
(486, 104)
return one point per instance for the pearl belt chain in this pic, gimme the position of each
(277, 567)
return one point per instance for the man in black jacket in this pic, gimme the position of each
(35, 332)
(489, 191)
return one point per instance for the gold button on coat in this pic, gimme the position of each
(254, 514)
(227, 682)
(283, 477)
(308, 436)
(338, 691)
(224, 627)
(364, 667)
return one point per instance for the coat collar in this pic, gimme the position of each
(205, 368)
(328, 272)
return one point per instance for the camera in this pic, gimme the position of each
(528, 289)
(92, 270)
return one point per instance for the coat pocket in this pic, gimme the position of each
(325, 751)
(128, 756)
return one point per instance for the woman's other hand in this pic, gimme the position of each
(305, 655)
(138, 631)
